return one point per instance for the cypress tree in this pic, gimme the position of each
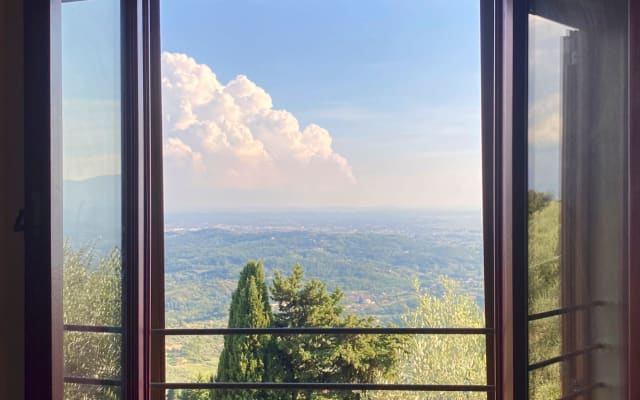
(243, 357)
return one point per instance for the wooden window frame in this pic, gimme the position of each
(510, 208)
(510, 194)
(43, 199)
(492, 268)
(633, 207)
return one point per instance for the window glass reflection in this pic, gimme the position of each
(91, 174)
(577, 194)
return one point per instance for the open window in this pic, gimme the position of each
(558, 256)
(346, 149)
(88, 127)
(577, 141)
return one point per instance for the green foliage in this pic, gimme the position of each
(92, 296)
(544, 259)
(298, 358)
(188, 356)
(305, 358)
(243, 356)
(372, 269)
(301, 303)
(196, 394)
(202, 267)
(326, 358)
(441, 359)
(545, 294)
(366, 358)
(538, 200)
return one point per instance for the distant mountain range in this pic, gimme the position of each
(92, 212)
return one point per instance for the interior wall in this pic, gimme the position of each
(11, 200)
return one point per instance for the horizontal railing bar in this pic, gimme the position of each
(321, 331)
(92, 381)
(324, 386)
(564, 310)
(93, 329)
(584, 390)
(564, 357)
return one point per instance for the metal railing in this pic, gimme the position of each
(489, 388)
(321, 331)
(92, 329)
(305, 386)
(324, 386)
(563, 357)
(564, 311)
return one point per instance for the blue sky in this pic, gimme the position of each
(91, 89)
(384, 93)
(319, 56)
(335, 49)
(341, 103)
(396, 83)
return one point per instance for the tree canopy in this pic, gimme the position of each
(441, 359)
(92, 295)
(537, 201)
(298, 303)
(326, 358)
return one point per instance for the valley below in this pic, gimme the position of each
(376, 257)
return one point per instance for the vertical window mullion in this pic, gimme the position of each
(510, 220)
(154, 204)
(487, 23)
(133, 128)
(633, 223)
(43, 261)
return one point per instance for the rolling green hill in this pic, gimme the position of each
(374, 267)
(375, 270)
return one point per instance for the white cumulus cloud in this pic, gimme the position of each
(230, 137)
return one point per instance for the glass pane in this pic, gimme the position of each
(92, 355)
(548, 382)
(545, 337)
(545, 383)
(94, 392)
(92, 203)
(322, 168)
(577, 194)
